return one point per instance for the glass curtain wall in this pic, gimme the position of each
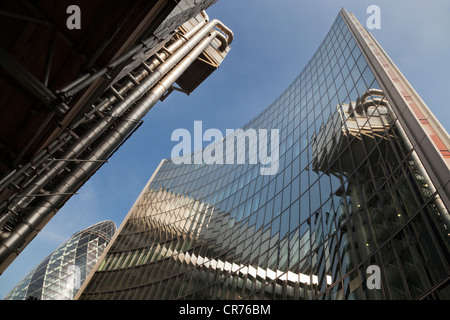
(349, 194)
(61, 273)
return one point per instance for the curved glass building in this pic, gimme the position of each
(357, 207)
(60, 275)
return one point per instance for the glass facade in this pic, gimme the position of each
(350, 193)
(60, 275)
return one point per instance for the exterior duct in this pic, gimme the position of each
(123, 105)
(109, 101)
(81, 84)
(17, 174)
(99, 128)
(42, 212)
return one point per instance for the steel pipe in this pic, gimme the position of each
(121, 107)
(106, 103)
(30, 224)
(16, 175)
(80, 85)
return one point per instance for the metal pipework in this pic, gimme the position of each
(106, 103)
(85, 80)
(80, 145)
(159, 71)
(16, 176)
(46, 207)
(60, 166)
(204, 15)
(143, 72)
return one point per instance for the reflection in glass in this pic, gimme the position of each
(350, 192)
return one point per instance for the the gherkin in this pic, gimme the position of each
(60, 275)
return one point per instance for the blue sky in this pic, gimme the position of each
(274, 39)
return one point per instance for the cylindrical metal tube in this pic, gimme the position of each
(107, 102)
(52, 203)
(86, 140)
(81, 84)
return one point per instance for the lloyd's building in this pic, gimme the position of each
(362, 189)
